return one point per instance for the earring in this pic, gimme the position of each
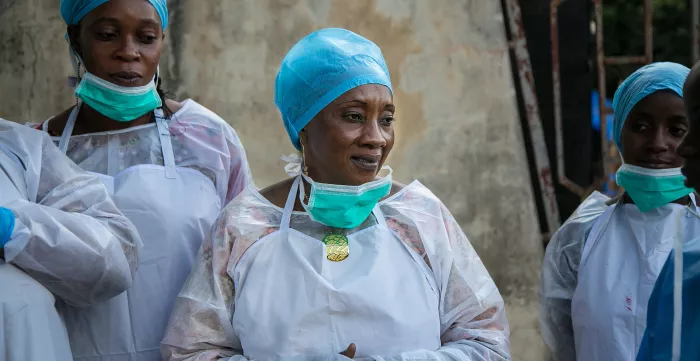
(304, 168)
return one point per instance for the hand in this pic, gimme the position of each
(350, 351)
(7, 225)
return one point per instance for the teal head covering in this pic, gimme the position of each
(642, 83)
(321, 67)
(75, 10)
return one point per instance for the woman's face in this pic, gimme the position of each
(121, 41)
(690, 148)
(653, 131)
(349, 140)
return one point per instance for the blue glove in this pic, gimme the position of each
(7, 225)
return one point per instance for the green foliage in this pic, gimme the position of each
(624, 33)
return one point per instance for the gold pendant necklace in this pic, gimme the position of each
(337, 248)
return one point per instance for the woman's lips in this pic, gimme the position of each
(125, 78)
(366, 162)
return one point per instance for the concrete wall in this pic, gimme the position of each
(457, 123)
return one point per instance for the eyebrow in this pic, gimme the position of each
(354, 101)
(388, 105)
(106, 19)
(678, 117)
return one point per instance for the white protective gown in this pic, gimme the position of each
(170, 178)
(598, 274)
(413, 288)
(69, 241)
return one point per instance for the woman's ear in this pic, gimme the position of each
(74, 38)
(303, 137)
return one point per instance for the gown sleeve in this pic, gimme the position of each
(472, 313)
(71, 238)
(560, 277)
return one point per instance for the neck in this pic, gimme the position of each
(91, 121)
(682, 201)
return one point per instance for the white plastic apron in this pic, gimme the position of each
(621, 261)
(30, 327)
(293, 302)
(173, 208)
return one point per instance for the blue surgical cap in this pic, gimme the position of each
(75, 10)
(321, 67)
(642, 83)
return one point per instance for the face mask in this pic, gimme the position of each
(341, 206)
(652, 188)
(122, 104)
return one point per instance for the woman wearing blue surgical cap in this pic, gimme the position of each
(339, 261)
(601, 266)
(169, 166)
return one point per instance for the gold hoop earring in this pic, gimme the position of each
(304, 168)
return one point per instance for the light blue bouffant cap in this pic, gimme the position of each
(321, 67)
(75, 10)
(642, 83)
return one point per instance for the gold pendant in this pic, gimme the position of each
(336, 247)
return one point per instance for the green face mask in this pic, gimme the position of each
(122, 104)
(341, 206)
(652, 188)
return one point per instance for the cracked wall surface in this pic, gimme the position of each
(457, 124)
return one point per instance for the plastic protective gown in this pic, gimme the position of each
(470, 317)
(68, 233)
(560, 277)
(171, 178)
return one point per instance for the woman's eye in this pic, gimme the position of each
(148, 39)
(639, 127)
(388, 121)
(678, 131)
(354, 117)
(106, 36)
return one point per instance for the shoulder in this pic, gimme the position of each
(173, 105)
(277, 193)
(412, 197)
(570, 238)
(193, 115)
(15, 135)
(249, 213)
(191, 111)
(58, 122)
(588, 212)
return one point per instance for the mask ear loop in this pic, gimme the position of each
(76, 62)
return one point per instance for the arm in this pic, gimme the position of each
(557, 285)
(200, 328)
(472, 314)
(239, 175)
(73, 239)
(560, 278)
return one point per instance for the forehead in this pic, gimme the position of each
(660, 101)
(367, 93)
(124, 11)
(691, 89)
